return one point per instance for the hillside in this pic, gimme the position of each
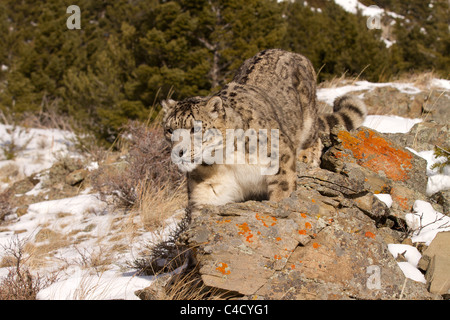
(92, 207)
(127, 56)
(84, 243)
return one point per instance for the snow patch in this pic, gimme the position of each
(390, 124)
(411, 272)
(385, 197)
(441, 83)
(33, 149)
(105, 286)
(437, 181)
(353, 6)
(329, 94)
(64, 215)
(412, 256)
(425, 222)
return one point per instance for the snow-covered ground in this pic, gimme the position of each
(329, 94)
(86, 228)
(76, 230)
(86, 231)
(33, 149)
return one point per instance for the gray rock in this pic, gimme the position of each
(436, 261)
(76, 176)
(423, 136)
(428, 105)
(304, 247)
(443, 198)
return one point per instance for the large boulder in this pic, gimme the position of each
(423, 136)
(323, 242)
(381, 101)
(429, 105)
(436, 262)
(385, 166)
(309, 246)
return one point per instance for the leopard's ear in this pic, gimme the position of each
(214, 107)
(168, 104)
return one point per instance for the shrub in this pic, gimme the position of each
(5, 204)
(20, 284)
(441, 152)
(146, 166)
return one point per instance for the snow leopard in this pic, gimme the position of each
(272, 92)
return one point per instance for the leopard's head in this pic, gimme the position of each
(194, 127)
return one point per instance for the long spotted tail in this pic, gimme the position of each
(348, 110)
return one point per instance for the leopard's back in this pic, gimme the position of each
(289, 79)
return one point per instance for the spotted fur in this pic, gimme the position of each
(274, 89)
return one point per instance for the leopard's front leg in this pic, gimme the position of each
(283, 183)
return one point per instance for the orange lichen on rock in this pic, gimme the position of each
(315, 245)
(308, 225)
(302, 231)
(245, 231)
(369, 234)
(375, 153)
(223, 221)
(267, 221)
(243, 227)
(401, 201)
(223, 268)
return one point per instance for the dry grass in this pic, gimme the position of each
(190, 286)
(41, 250)
(99, 259)
(336, 81)
(20, 283)
(184, 285)
(10, 173)
(5, 204)
(343, 80)
(420, 80)
(156, 205)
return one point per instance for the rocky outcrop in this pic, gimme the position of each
(328, 240)
(423, 136)
(321, 243)
(64, 179)
(76, 176)
(383, 165)
(429, 104)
